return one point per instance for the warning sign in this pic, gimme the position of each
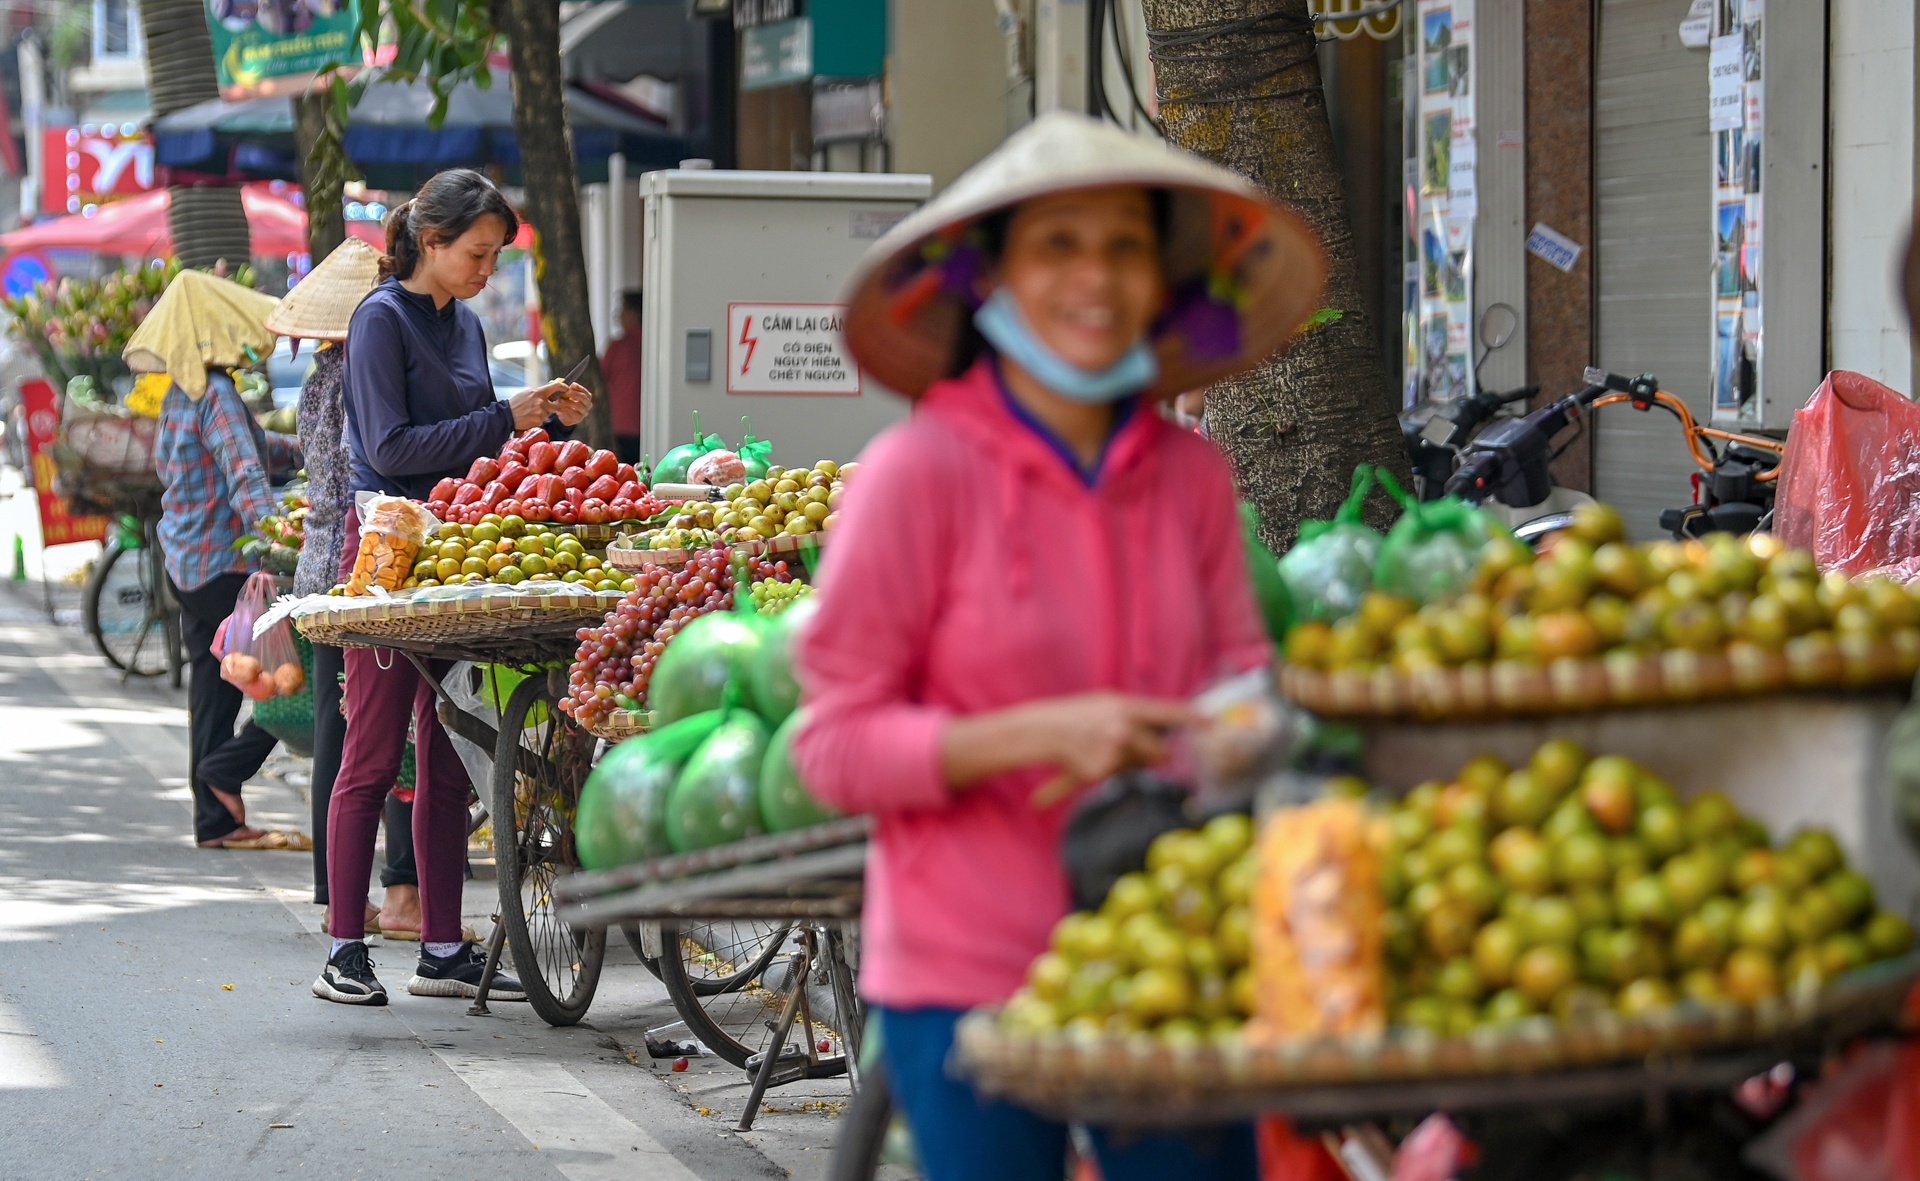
(789, 348)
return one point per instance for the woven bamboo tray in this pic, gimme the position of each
(1507, 688)
(1140, 1079)
(622, 558)
(622, 723)
(519, 618)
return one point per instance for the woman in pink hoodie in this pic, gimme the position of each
(1032, 575)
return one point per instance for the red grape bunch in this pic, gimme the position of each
(614, 662)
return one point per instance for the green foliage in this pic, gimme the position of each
(441, 42)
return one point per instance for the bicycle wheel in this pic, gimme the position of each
(537, 773)
(729, 981)
(120, 615)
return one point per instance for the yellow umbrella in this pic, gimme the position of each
(200, 321)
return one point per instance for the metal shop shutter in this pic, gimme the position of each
(1653, 221)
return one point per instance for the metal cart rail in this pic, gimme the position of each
(803, 890)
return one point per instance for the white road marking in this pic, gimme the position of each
(555, 1110)
(24, 1059)
(543, 1100)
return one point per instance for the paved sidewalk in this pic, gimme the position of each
(155, 1018)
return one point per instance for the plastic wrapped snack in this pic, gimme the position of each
(1330, 569)
(392, 530)
(1318, 949)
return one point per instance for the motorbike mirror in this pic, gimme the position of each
(1497, 325)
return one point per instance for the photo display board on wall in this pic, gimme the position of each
(1737, 113)
(1442, 201)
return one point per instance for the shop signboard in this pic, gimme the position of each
(258, 39)
(777, 54)
(94, 163)
(58, 523)
(1381, 26)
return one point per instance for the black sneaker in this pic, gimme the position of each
(348, 978)
(459, 975)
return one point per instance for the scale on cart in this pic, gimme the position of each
(744, 273)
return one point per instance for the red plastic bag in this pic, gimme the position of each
(263, 666)
(1856, 1125)
(1850, 481)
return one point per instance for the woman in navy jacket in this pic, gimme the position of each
(420, 406)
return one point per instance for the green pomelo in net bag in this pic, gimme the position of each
(775, 691)
(672, 468)
(785, 802)
(1330, 569)
(693, 672)
(1430, 553)
(716, 799)
(1263, 569)
(623, 805)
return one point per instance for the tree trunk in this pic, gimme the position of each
(1295, 427)
(206, 224)
(532, 28)
(326, 223)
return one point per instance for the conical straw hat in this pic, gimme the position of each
(1243, 271)
(320, 305)
(200, 321)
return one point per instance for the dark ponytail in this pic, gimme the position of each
(444, 208)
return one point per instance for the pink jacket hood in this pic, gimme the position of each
(975, 568)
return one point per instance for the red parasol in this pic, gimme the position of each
(138, 225)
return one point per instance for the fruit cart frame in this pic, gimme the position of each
(540, 761)
(801, 888)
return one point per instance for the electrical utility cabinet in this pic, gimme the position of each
(743, 281)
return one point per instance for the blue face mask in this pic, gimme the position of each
(1000, 321)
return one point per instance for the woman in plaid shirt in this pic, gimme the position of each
(213, 461)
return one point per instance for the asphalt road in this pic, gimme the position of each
(155, 1013)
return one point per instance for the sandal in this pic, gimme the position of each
(292, 841)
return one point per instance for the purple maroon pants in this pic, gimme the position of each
(383, 690)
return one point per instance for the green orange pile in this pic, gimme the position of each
(511, 551)
(1593, 594)
(1167, 951)
(1573, 884)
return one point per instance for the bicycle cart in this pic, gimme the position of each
(756, 945)
(540, 760)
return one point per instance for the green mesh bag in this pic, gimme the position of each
(1330, 568)
(1263, 570)
(1431, 551)
(290, 718)
(755, 454)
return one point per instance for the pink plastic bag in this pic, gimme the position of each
(1850, 481)
(263, 667)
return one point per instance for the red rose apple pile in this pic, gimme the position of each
(537, 479)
